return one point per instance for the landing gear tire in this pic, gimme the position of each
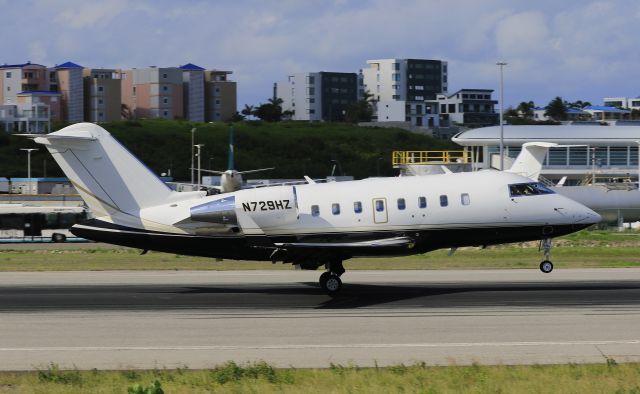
(546, 266)
(330, 283)
(57, 237)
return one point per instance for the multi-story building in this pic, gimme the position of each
(103, 95)
(405, 79)
(221, 97)
(18, 78)
(622, 102)
(319, 95)
(153, 92)
(402, 89)
(66, 78)
(193, 92)
(469, 107)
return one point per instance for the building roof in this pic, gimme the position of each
(566, 135)
(602, 108)
(191, 67)
(67, 65)
(20, 65)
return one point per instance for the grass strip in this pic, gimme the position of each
(587, 249)
(260, 377)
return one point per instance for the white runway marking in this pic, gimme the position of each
(325, 346)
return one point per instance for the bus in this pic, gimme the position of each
(26, 223)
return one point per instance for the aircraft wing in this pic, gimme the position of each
(394, 242)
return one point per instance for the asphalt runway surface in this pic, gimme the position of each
(158, 319)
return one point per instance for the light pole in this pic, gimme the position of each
(193, 136)
(501, 64)
(29, 150)
(199, 147)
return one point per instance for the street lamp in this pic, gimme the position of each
(199, 147)
(501, 64)
(29, 150)
(193, 136)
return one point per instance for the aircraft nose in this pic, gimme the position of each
(585, 215)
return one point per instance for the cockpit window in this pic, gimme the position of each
(528, 189)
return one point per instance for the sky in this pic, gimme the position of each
(579, 50)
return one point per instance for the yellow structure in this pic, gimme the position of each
(403, 158)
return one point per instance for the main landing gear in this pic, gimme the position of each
(545, 245)
(330, 280)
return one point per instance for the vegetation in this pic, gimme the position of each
(294, 148)
(587, 249)
(556, 109)
(260, 377)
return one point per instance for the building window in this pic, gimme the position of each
(401, 204)
(134, 90)
(315, 210)
(99, 101)
(217, 90)
(452, 108)
(422, 202)
(311, 80)
(100, 88)
(395, 77)
(311, 91)
(464, 199)
(165, 100)
(8, 74)
(218, 102)
(357, 207)
(165, 88)
(396, 66)
(396, 97)
(164, 76)
(312, 111)
(335, 208)
(8, 88)
(444, 200)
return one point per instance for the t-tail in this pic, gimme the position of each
(231, 162)
(111, 180)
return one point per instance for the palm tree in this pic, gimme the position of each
(248, 110)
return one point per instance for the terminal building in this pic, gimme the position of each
(589, 153)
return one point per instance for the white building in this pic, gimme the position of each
(622, 102)
(589, 151)
(318, 96)
(469, 107)
(401, 87)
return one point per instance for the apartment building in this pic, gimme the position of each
(469, 107)
(193, 91)
(622, 102)
(318, 96)
(66, 78)
(103, 94)
(402, 88)
(405, 79)
(154, 92)
(221, 97)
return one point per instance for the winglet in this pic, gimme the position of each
(309, 180)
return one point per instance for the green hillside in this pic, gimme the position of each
(294, 148)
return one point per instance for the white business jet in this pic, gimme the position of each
(309, 225)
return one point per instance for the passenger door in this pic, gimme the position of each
(380, 214)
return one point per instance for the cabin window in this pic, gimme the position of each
(422, 202)
(315, 210)
(464, 199)
(357, 207)
(444, 200)
(401, 204)
(335, 208)
(379, 205)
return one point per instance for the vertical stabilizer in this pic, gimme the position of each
(108, 177)
(231, 163)
(529, 161)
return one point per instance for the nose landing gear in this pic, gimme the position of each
(330, 280)
(545, 245)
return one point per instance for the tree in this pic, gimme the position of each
(579, 104)
(248, 110)
(236, 117)
(511, 113)
(361, 110)
(525, 109)
(556, 109)
(271, 111)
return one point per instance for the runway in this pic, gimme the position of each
(156, 319)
